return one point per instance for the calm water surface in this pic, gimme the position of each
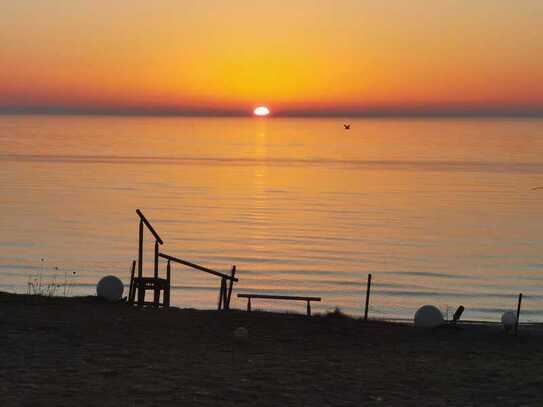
(439, 211)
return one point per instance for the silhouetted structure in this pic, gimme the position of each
(368, 289)
(458, 314)
(518, 312)
(279, 297)
(140, 284)
(224, 292)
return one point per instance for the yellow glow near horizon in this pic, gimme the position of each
(308, 55)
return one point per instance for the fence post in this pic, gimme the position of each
(518, 312)
(368, 288)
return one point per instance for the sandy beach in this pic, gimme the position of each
(82, 351)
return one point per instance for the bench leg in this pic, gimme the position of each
(308, 308)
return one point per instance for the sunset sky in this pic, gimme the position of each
(295, 56)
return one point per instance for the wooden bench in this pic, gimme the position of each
(279, 297)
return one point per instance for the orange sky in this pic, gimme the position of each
(295, 55)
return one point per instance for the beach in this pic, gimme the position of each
(84, 351)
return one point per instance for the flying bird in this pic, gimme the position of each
(347, 126)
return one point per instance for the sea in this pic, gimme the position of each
(439, 211)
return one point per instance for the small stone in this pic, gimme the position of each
(241, 335)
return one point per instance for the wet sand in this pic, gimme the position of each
(82, 351)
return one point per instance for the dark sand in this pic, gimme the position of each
(72, 352)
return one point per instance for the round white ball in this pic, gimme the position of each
(110, 288)
(428, 316)
(509, 319)
(241, 335)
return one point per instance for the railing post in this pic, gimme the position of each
(140, 289)
(230, 286)
(224, 295)
(221, 294)
(156, 259)
(368, 288)
(140, 250)
(156, 298)
(168, 283)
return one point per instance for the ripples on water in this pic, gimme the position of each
(439, 211)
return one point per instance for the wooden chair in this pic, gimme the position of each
(140, 285)
(157, 285)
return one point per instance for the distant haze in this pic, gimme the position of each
(300, 58)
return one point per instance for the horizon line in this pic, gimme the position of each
(513, 112)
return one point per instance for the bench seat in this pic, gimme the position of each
(279, 297)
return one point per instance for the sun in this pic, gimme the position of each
(261, 111)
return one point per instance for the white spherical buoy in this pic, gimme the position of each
(509, 319)
(110, 288)
(241, 335)
(428, 316)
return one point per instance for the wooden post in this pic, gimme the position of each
(248, 304)
(368, 288)
(141, 290)
(221, 295)
(156, 298)
(140, 250)
(168, 282)
(308, 308)
(230, 286)
(518, 312)
(156, 259)
(131, 287)
(224, 294)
